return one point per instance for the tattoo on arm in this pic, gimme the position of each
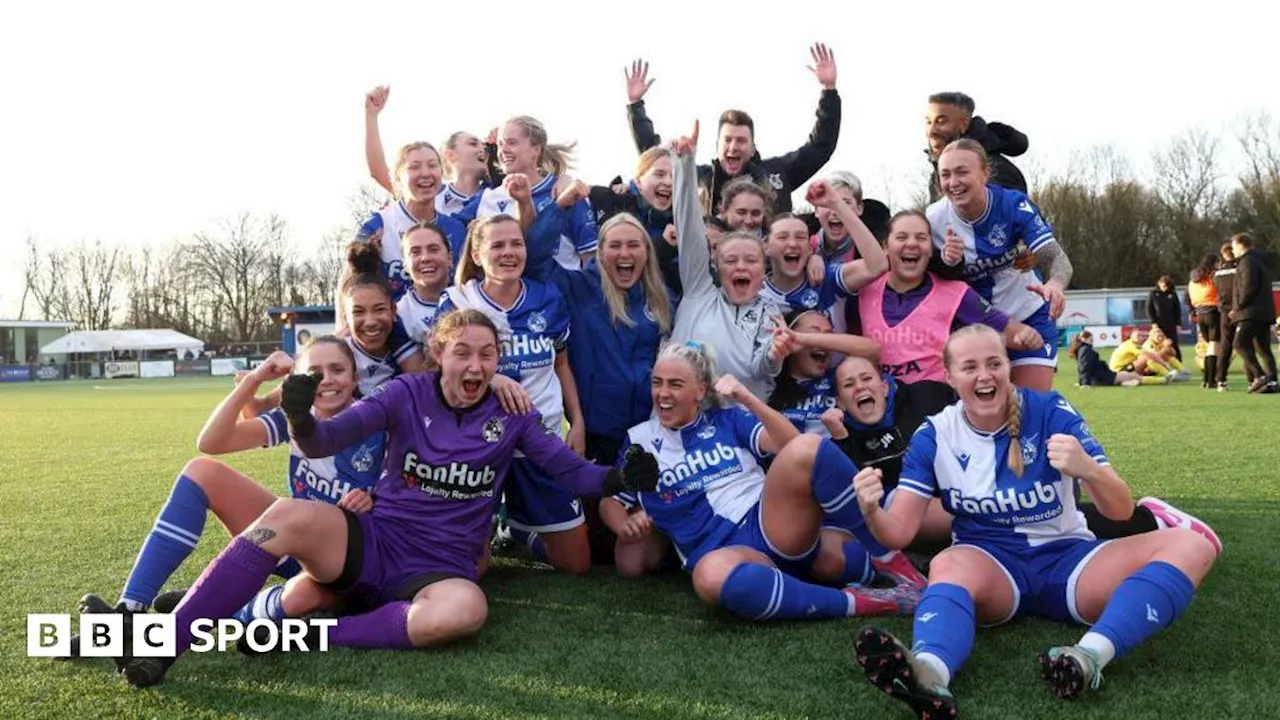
(1055, 262)
(260, 536)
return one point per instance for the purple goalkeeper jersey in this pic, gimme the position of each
(445, 466)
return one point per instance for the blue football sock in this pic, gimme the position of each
(266, 605)
(171, 540)
(832, 480)
(944, 625)
(532, 541)
(759, 592)
(1143, 605)
(858, 569)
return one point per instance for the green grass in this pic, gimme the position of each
(83, 471)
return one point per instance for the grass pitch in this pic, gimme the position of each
(84, 467)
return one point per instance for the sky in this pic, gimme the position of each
(140, 123)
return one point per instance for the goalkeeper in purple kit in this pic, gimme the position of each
(411, 562)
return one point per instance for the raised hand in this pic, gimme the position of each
(573, 192)
(517, 186)
(824, 65)
(277, 365)
(376, 99)
(297, 393)
(785, 341)
(492, 137)
(953, 248)
(639, 471)
(833, 421)
(869, 484)
(686, 145)
(638, 81)
(731, 388)
(1067, 456)
(820, 194)
(1052, 293)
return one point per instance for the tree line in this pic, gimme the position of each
(1120, 228)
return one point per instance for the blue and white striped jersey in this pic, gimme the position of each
(991, 244)
(710, 478)
(968, 469)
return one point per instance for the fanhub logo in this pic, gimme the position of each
(700, 461)
(104, 635)
(455, 481)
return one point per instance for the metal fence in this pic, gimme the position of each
(115, 369)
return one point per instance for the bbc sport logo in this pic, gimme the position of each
(103, 635)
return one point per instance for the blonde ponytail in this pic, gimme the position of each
(702, 358)
(1013, 422)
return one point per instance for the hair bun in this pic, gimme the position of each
(363, 258)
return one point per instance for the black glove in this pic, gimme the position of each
(297, 393)
(639, 473)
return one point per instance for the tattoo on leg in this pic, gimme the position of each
(260, 536)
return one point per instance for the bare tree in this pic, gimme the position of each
(235, 264)
(44, 279)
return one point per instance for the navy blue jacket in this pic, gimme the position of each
(612, 363)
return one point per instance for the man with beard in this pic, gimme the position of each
(736, 153)
(951, 117)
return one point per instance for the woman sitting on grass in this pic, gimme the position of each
(206, 485)
(1005, 462)
(1092, 371)
(1129, 356)
(411, 562)
(748, 537)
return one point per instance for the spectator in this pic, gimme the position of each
(1253, 314)
(1165, 311)
(950, 117)
(736, 153)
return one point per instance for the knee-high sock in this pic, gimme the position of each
(1152, 379)
(225, 585)
(1210, 369)
(1174, 363)
(266, 605)
(171, 540)
(760, 592)
(1144, 604)
(386, 628)
(1156, 369)
(533, 541)
(944, 626)
(858, 569)
(832, 483)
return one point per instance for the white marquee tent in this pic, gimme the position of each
(115, 341)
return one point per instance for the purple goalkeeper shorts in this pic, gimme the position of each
(382, 567)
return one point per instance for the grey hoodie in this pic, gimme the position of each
(740, 335)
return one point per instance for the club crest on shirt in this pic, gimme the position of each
(537, 321)
(775, 179)
(648, 314)
(362, 459)
(749, 316)
(809, 298)
(1030, 449)
(707, 432)
(493, 430)
(999, 235)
